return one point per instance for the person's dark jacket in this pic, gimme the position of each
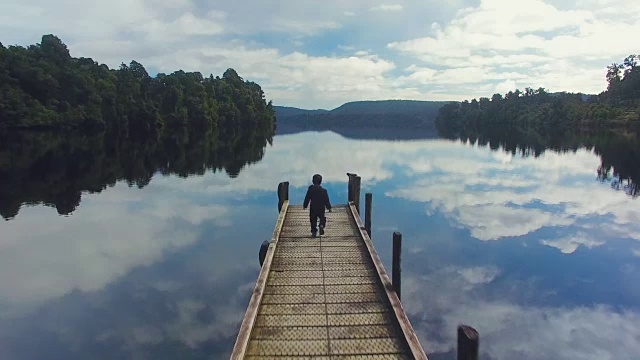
(319, 199)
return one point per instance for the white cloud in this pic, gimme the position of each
(349, 13)
(387, 7)
(459, 76)
(281, 16)
(186, 24)
(493, 222)
(506, 86)
(191, 331)
(419, 75)
(479, 275)
(303, 26)
(570, 244)
(553, 48)
(618, 228)
(346, 47)
(101, 20)
(420, 166)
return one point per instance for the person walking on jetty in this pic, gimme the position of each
(319, 199)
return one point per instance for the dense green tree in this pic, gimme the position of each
(617, 107)
(42, 86)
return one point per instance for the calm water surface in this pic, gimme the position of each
(536, 253)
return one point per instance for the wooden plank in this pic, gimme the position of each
(405, 325)
(242, 341)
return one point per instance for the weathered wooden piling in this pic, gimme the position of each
(356, 192)
(353, 190)
(395, 263)
(350, 187)
(283, 194)
(368, 197)
(468, 343)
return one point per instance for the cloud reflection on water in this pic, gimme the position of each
(438, 302)
(45, 256)
(495, 195)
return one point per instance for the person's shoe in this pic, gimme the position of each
(321, 230)
(313, 234)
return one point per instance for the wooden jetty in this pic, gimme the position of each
(327, 297)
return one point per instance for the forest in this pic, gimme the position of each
(69, 125)
(534, 120)
(618, 107)
(43, 87)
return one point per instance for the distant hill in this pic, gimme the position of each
(286, 111)
(370, 119)
(388, 107)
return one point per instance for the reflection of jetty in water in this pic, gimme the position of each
(619, 153)
(54, 168)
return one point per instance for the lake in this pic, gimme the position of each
(540, 254)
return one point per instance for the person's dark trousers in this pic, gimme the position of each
(313, 217)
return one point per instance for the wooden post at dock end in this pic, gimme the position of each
(367, 212)
(356, 192)
(468, 341)
(350, 187)
(395, 264)
(283, 194)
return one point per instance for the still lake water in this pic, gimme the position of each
(534, 252)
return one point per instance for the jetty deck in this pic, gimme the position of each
(324, 298)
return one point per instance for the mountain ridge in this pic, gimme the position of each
(364, 119)
(362, 106)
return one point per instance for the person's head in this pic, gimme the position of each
(317, 179)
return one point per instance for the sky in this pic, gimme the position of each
(320, 54)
